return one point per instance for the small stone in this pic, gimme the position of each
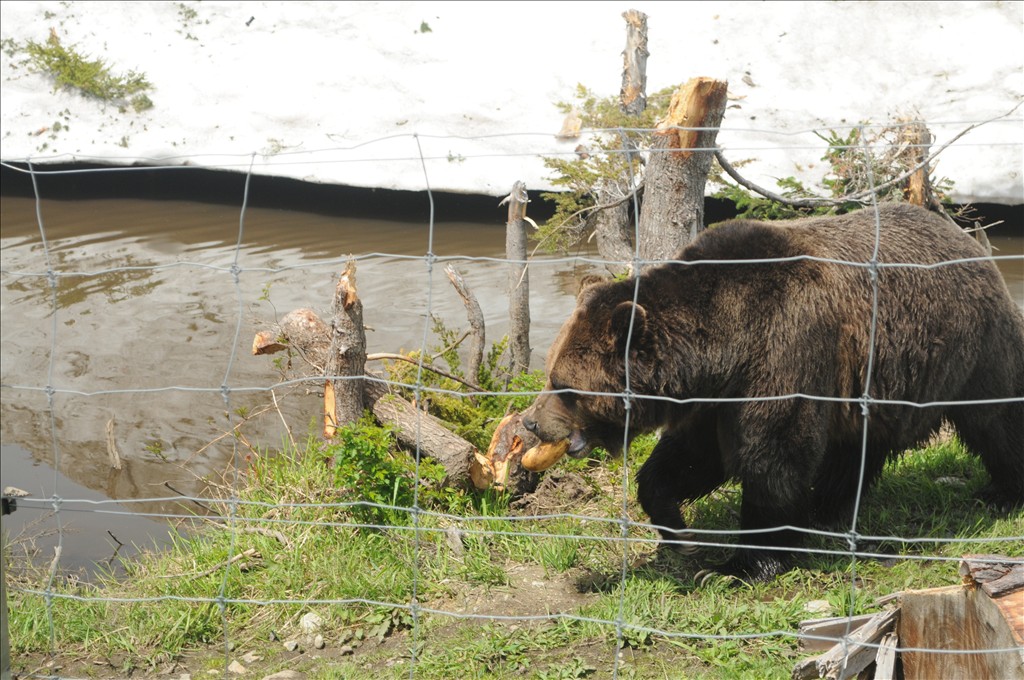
(310, 623)
(236, 668)
(286, 675)
(231, 646)
(251, 657)
(291, 645)
(318, 642)
(273, 637)
(818, 607)
(345, 650)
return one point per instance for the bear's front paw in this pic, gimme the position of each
(681, 542)
(746, 567)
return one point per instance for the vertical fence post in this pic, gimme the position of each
(9, 506)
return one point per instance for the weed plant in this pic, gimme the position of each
(92, 77)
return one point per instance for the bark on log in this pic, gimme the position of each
(419, 432)
(476, 322)
(673, 208)
(518, 281)
(346, 357)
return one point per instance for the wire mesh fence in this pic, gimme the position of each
(46, 276)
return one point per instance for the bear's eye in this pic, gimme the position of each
(563, 391)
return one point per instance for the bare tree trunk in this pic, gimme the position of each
(673, 208)
(633, 95)
(518, 280)
(919, 140)
(346, 358)
(476, 323)
(612, 229)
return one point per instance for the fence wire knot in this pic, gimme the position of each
(851, 540)
(865, 404)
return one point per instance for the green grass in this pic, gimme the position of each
(303, 518)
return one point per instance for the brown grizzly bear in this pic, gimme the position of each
(758, 371)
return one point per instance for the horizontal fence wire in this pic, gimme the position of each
(231, 513)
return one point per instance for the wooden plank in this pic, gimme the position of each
(833, 628)
(847, 660)
(885, 659)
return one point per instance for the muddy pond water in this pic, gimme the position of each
(148, 323)
(147, 301)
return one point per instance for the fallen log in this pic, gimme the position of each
(421, 433)
(303, 331)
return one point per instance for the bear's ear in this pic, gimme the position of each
(619, 325)
(588, 281)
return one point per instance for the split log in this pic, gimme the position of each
(848, 658)
(833, 627)
(962, 618)
(501, 467)
(885, 659)
(673, 208)
(518, 281)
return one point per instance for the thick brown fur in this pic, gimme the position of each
(949, 333)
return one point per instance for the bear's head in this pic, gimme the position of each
(607, 336)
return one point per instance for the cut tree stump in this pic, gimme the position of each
(346, 356)
(967, 617)
(673, 209)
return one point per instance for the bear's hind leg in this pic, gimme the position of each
(683, 466)
(995, 433)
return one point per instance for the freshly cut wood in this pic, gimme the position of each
(265, 342)
(673, 210)
(543, 456)
(330, 408)
(501, 467)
